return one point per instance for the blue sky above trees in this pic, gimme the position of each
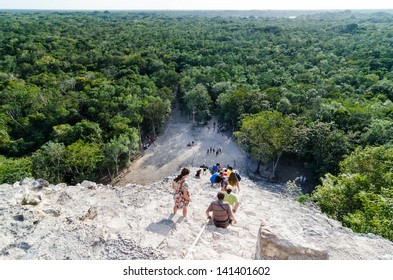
(195, 5)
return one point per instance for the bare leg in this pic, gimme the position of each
(174, 210)
(184, 211)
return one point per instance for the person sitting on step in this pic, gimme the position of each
(222, 213)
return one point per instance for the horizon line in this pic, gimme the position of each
(213, 10)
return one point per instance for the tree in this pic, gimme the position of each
(133, 108)
(84, 71)
(266, 136)
(322, 146)
(220, 88)
(233, 104)
(81, 160)
(4, 137)
(63, 133)
(380, 132)
(113, 151)
(133, 143)
(155, 111)
(12, 170)
(119, 124)
(361, 195)
(87, 131)
(198, 103)
(49, 162)
(84, 130)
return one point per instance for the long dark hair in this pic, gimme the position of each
(232, 180)
(185, 171)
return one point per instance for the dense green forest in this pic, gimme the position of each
(81, 92)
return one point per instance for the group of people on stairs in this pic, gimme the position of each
(222, 209)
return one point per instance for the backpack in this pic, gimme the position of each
(213, 178)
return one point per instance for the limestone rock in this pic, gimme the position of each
(58, 222)
(52, 212)
(30, 198)
(89, 185)
(90, 214)
(271, 246)
(39, 184)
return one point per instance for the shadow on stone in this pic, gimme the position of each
(162, 227)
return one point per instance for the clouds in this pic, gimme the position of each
(195, 5)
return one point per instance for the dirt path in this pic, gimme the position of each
(170, 152)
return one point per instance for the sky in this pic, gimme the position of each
(195, 5)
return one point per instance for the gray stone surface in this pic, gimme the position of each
(92, 221)
(271, 246)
